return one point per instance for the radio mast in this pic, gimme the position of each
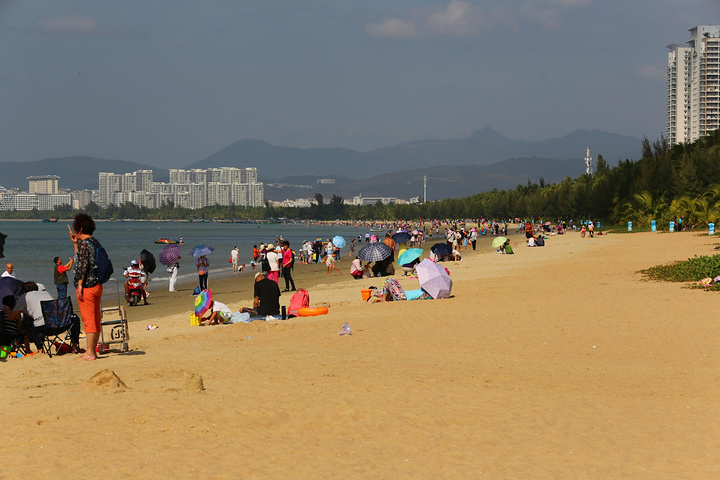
(588, 161)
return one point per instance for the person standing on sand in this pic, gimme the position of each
(173, 274)
(288, 258)
(203, 265)
(87, 288)
(390, 243)
(60, 276)
(273, 260)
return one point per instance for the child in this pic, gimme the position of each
(329, 263)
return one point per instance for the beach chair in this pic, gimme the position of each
(59, 319)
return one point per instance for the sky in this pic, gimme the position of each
(169, 82)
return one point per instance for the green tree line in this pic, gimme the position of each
(666, 183)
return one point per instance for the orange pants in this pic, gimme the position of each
(90, 308)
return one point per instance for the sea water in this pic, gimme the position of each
(31, 245)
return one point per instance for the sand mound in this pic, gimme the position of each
(106, 380)
(193, 382)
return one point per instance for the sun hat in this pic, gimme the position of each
(270, 246)
(259, 274)
(41, 287)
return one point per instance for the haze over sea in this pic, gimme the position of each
(32, 245)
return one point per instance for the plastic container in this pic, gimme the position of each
(365, 293)
(194, 320)
(5, 351)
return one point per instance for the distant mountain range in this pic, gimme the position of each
(482, 161)
(483, 147)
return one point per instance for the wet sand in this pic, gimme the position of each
(556, 362)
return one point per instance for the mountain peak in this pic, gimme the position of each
(487, 133)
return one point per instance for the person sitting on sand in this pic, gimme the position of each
(357, 269)
(218, 313)
(456, 255)
(267, 297)
(409, 268)
(507, 248)
(540, 240)
(531, 242)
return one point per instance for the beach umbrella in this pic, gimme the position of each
(148, 261)
(441, 249)
(415, 232)
(498, 241)
(203, 301)
(10, 286)
(338, 241)
(434, 279)
(547, 223)
(2, 245)
(375, 252)
(201, 250)
(169, 254)
(409, 255)
(401, 237)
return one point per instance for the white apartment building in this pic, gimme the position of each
(192, 189)
(693, 93)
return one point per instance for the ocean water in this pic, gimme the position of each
(31, 245)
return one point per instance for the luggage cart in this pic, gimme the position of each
(115, 318)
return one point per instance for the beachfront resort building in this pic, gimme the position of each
(43, 194)
(195, 188)
(693, 92)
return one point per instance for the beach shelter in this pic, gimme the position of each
(338, 241)
(203, 302)
(434, 279)
(201, 250)
(498, 242)
(169, 254)
(375, 252)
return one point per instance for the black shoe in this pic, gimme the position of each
(293, 290)
(286, 290)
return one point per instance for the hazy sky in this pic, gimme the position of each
(169, 82)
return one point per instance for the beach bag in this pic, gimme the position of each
(300, 299)
(104, 267)
(265, 265)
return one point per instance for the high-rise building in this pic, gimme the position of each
(43, 184)
(693, 93)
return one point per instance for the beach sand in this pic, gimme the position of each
(556, 362)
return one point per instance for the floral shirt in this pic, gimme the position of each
(85, 266)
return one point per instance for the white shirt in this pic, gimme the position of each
(7, 274)
(29, 304)
(273, 259)
(234, 254)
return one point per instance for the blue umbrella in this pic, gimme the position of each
(441, 249)
(409, 255)
(401, 237)
(10, 286)
(201, 250)
(338, 241)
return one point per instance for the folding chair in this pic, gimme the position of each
(59, 319)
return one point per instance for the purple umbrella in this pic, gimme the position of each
(434, 279)
(169, 254)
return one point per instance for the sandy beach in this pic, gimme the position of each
(556, 362)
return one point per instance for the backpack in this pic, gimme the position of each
(300, 299)
(104, 267)
(265, 265)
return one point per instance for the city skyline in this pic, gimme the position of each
(169, 83)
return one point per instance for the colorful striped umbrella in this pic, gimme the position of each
(203, 302)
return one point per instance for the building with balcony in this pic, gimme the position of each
(693, 92)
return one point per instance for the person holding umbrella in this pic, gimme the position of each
(173, 269)
(203, 265)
